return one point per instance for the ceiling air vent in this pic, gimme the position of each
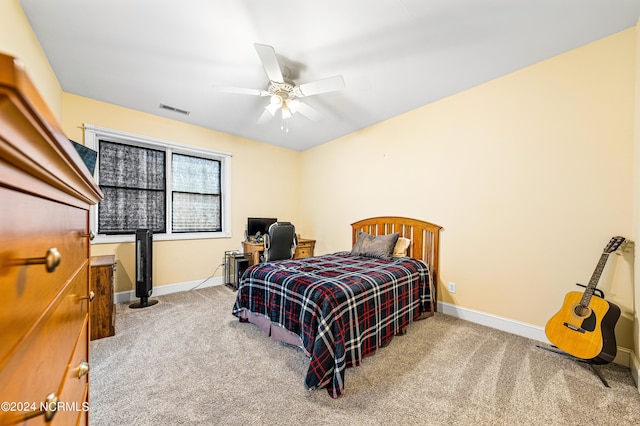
(174, 109)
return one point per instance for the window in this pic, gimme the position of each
(177, 191)
(195, 194)
(133, 182)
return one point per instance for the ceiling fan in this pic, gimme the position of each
(284, 92)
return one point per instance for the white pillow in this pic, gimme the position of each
(402, 245)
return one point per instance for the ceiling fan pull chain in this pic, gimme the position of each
(284, 125)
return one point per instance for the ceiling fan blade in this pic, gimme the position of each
(325, 85)
(240, 91)
(308, 112)
(265, 117)
(269, 62)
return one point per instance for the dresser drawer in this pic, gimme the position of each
(302, 252)
(83, 415)
(37, 366)
(304, 249)
(73, 392)
(28, 231)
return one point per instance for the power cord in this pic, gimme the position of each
(208, 278)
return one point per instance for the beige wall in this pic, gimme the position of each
(530, 175)
(17, 39)
(264, 182)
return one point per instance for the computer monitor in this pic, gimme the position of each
(259, 224)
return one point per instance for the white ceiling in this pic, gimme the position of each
(395, 55)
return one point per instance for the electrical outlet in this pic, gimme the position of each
(452, 287)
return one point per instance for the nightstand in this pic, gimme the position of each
(304, 249)
(103, 313)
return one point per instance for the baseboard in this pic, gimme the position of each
(624, 356)
(161, 290)
(494, 321)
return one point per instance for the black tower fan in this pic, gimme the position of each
(144, 266)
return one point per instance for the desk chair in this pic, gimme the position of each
(280, 242)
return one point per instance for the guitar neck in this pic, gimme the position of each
(593, 282)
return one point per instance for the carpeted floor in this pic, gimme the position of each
(188, 361)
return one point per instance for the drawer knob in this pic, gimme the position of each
(83, 369)
(50, 408)
(91, 296)
(91, 235)
(51, 260)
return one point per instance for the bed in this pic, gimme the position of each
(342, 307)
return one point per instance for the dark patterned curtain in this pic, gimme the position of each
(196, 203)
(133, 182)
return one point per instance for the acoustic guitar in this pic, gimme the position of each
(584, 325)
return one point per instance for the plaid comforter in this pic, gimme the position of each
(342, 307)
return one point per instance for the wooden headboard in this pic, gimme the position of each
(424, 236)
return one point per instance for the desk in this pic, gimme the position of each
(254, 250)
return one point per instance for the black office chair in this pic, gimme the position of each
(280, 242)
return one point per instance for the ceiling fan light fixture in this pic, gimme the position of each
(272, 108)
(283, 92)
(276, 100)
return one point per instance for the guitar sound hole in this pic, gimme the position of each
(582, 311)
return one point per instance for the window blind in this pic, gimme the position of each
(133, 180)
(196, 194)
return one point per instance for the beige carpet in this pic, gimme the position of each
(188, 361)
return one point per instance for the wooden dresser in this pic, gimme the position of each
(45, 195)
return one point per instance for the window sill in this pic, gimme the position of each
(114, 239)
